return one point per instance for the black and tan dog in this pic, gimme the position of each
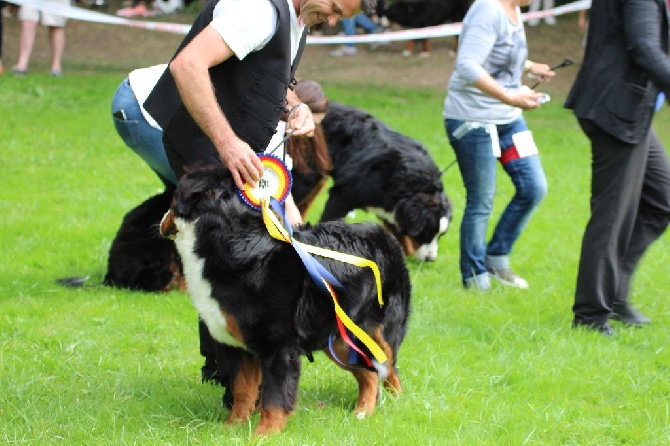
(382, 171)
(256, 296)
(139, 258)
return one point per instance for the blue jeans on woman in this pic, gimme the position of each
(138, 134)
(362, 20)
(478, 167)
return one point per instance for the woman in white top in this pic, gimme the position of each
(484, 123)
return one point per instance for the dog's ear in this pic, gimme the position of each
(192, 188)
(410, 215)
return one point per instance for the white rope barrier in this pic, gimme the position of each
(450, 29)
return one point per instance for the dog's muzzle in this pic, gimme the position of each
(168, 228)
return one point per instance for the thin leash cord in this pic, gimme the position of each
(286, 137)
(448, 167)
(418, 270)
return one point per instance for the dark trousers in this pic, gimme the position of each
(630, 209)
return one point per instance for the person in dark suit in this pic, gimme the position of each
(625, 68)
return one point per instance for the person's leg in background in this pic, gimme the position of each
(145, 140)
(530, 187)
(349, 29)
(56, 26)
(29, 18)
(409, 48)
(477, 165)
(365, 22)
(57, 40)
(425, 48)
(2, 68)
(652, 221)
(541, 5)
(609, 231)
(549, 20)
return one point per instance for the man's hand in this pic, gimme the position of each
(301, 120)
(242, 162)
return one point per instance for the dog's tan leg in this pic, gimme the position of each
(392, 381)
(368, 381)
(368, 387)
(245, 389)
(272, 421)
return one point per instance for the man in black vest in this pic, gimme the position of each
(224, 92)
(625, 67)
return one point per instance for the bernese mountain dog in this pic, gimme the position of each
(422, 13)
(256, 296)
(382, 171)
(139, 258)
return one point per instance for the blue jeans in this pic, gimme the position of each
(478, 168)
(362, 20)
(138, 134)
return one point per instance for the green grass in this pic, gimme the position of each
(103, 366)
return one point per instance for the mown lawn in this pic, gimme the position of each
(103, 366)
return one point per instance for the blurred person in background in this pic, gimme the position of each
(630, 173)
(485, 125)
(30, 18)
(2, 5)
(541, 5)
(349, 29)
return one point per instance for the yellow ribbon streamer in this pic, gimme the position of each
(277, 231)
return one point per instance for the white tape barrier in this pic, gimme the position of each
(86, 15)
(451, 29)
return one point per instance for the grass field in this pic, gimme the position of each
(102, 366)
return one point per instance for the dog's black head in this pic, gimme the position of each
(422, 219)
(205, 191)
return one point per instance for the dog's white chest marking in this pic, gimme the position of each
(199, 288)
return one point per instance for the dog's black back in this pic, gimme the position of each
(422, 13)
(264, 282)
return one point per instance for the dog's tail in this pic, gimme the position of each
(72, 282)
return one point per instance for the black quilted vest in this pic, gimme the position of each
(251, 92)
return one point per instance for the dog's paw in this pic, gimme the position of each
(360, 415)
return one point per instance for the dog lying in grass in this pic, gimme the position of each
(139, 258)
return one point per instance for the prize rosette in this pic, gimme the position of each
(276, 182)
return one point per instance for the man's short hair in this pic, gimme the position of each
(369, 6)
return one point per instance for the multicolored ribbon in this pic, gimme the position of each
(323, 279)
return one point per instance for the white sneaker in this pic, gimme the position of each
(406, 53)
(375, 45)
(424, 54)
(533, 22)
(551, 20)
(508, 278)
(344, 50)
(480, 282)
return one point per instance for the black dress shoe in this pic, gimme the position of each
(628, 315)
(604, 328)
